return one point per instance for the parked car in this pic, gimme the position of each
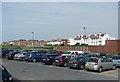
(73, 52)
(4, 52)
(43, 51)
(87, 56)
(116, 60)
(77, 62)
(5, 75)
(101, 55)
(11, 55)
(49, 59)
(54, 52)
(62, 60)
(20, 56)
(99, 64)
(34, 56)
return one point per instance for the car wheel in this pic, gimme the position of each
(82, 67)
(34, 60)
(114, 67)
(87, 69)
(65, 64)
(100, 69)
(70, 67)
(54, 63)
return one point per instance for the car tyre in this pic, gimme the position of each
(34, 60)
(54, 64)
(114, 67)
(82, 67)
(100, 69)
(87, 69)
(65, 65)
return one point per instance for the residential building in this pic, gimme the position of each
(42, 43)
(33, 43)
(91, 39)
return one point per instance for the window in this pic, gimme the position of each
(93, 60)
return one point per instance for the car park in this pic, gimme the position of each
(34, 56)
(62, 60)
(116, 60)
(99, 64)
(5, 75)
(77, 62)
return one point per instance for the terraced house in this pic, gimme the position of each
(91, 39)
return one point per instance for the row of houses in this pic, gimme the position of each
(98, 39)
(23, 42)
(91, 39)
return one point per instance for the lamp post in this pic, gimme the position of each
(84, 37)
(32, 35)
(32, 38)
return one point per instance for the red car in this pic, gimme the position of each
(62, 60)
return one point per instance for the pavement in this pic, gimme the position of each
(22, 70)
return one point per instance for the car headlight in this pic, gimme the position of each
(10, 78)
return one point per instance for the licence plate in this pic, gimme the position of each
(90, 65)
(70, 62)
(44, 59)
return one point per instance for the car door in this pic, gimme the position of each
(109, 63)
(39, 55)
(104, 63)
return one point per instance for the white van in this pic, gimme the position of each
(72, 52)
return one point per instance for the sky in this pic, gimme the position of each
(56, 20)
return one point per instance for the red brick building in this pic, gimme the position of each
(20, 42)
(42, 43)
(33, 43)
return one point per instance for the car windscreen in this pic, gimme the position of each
(116, 57)
(24, 53)
(92, 60)
(79, 58)
(51, 52)
(88, 55)
(35, 53)
(52, 56)
(58, 57)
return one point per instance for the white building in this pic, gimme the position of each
(91, 39)
(54, 42)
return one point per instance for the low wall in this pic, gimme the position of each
(104, 49)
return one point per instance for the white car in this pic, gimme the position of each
(20, 56)
(72, 52)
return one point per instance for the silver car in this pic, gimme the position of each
(99, 64)
(20, 56)
(116, 60)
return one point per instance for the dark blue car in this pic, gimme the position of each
(34, 56)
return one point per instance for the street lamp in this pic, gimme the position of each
(84, 37)
(32, 35)
(32, 38)
(84, 33)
